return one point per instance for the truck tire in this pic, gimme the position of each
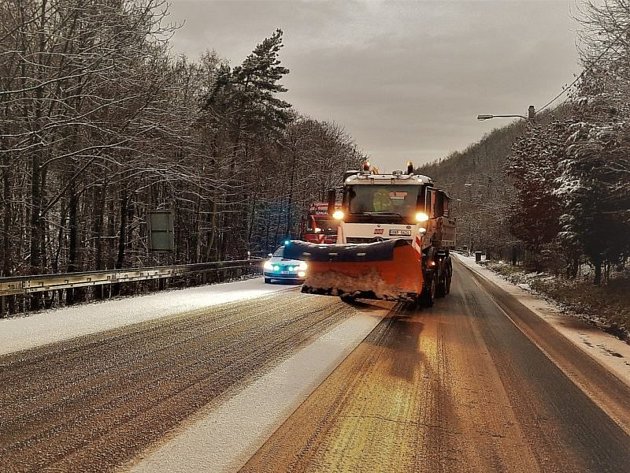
(347, 298)
(267, 280)
(428, 293)
(440, 290)
(449, 276)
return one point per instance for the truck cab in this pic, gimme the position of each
(378, 207)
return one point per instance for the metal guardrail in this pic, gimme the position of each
(49, 282)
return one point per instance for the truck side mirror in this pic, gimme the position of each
(332, 200)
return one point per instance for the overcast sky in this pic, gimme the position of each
(406, 79)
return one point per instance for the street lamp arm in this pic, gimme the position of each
(531, 115)
(488, 117)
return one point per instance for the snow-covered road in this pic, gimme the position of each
(21, 333)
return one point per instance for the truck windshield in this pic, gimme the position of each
(397, 200)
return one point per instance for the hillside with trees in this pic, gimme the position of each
(558, 187)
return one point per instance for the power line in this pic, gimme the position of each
(588, 68)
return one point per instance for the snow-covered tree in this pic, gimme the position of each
(532, 165)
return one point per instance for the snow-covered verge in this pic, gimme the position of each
(607, 349)
(21, 333)
(607, 307)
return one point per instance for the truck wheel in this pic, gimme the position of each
(428, 293)
(267, 280)
(347, 298)
(440, 290)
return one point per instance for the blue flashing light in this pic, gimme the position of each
(287, 242)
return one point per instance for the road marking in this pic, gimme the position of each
(228, 435)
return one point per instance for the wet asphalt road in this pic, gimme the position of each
(458, 387)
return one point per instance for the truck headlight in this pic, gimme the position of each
(302, 266)
(268, 265)
(338, 215)
(421, 217)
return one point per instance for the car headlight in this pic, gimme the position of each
(303, 266)
(268, 265)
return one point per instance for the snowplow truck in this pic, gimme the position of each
(393, 240)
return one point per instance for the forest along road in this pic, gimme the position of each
(457, 388)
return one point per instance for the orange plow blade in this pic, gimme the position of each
(389, 270)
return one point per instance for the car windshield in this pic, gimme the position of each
(279, 252)
(397, 199)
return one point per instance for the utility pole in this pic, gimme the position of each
(468, 185)
(531, 112)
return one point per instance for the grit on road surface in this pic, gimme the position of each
(92, 403)
(457, 388)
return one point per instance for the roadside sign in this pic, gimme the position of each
(161, 230)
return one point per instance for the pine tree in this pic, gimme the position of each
(532, 165)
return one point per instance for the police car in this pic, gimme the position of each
(278, 268)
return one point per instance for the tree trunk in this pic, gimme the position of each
(73, 247)
(290, 202)
(37, 234)
(213, 230)
(122, 239)
(97, 227)
(7, 215)
(73, 226)
(597, 280)
(36, 208)
(60, 236)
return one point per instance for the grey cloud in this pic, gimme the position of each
(406, 79)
